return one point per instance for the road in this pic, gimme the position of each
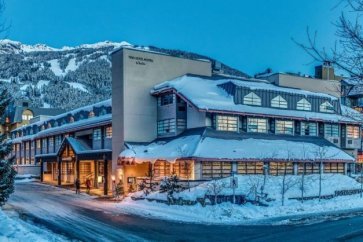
(82, 218)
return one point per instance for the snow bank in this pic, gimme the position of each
(26, 178)
(12, 228)
(227, 213)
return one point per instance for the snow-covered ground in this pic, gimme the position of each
(12, 228)
(227, 213)
(26, 178)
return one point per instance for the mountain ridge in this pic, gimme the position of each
(69, 77)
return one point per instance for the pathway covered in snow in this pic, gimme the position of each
(84, 218)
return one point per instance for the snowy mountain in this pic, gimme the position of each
(67, 77)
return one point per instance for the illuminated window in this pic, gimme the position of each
(252, 99)
(278, 102)
(109, 132)
(226, 123)
(216, 169)
(352, 132)
(303, 104)
(91, 114)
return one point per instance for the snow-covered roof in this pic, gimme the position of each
(211, 146)
(206, 94)
(106, 103)
(69, 127)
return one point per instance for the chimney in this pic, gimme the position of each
(325, 71)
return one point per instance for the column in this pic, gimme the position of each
(59, 159)
(41, 169)
(96, 174)
(105, 172)
(77, 168)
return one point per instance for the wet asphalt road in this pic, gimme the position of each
(65, 214)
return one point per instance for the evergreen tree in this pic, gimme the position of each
(7, 172)
(119, 190)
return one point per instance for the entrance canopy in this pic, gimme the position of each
(208, 144)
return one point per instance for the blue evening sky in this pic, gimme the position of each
(248, 35)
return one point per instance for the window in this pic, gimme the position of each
(308, 168)
(181, 123)
(166, 99)
(303, 104)
(258, 125)
(252, 99)
(91, 114)
(278, 102)
(308, 129)
(44, 145)
(226, 123)
(71, 119)
(216, 169)
(279, 168)
(27, 115)
(326, 107)
(58, 140)
(183, 169)
(161, 168)
(284, 127)
(38, 143)
(352, 132)
(331, 130)
(96, 134)
(109, 132)
(334, 168)
(245, 168)
(166, 126)
(51, 141)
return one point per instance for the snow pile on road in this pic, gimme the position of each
(12, 228)
(227, 213)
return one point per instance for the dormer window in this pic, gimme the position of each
(71, 119)
(279, 102)
(49, 125)
(252, 99)
(303, 104)
(42, 127)
(91, 114)
(326, 107)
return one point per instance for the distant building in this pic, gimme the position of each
(19, 113)
(324, 81)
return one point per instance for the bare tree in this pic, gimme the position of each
(215, 187)
(287, 182)
(347, 52)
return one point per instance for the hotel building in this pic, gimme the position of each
(175, 115)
